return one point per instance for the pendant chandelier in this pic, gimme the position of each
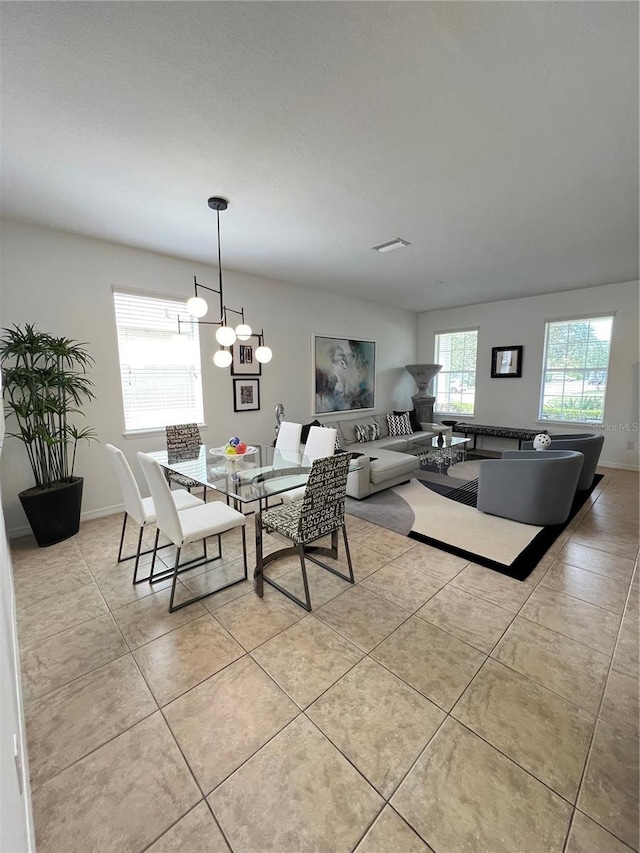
(226, 335)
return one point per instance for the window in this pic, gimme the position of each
(575, 369)
(456, 382)
(159, 368)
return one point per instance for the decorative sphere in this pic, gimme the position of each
(230, 451)
(234, 441)
(243, 332)
(542, 442)
(222, 358)
(241, 448)
(225, 336)
(264, 354)
(197, 307)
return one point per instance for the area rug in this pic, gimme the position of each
(421, 511)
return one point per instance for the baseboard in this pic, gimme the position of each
(618, 466)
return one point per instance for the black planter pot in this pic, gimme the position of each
(54, 513)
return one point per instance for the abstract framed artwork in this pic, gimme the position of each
(506, 361)
(344, 374)
(244, 361)
(246, 395)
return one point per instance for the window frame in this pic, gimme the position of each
(605, 315)
(442, 373)
(133, 432)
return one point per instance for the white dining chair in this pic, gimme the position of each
(140, 510)
(288, 439)
(320, 444)
(187, 526)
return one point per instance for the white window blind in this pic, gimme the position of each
(576, 369)
(159, 368)
(456, 383)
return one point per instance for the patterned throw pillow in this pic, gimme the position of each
(399, 424)
(367, 432)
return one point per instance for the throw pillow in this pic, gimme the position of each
(367, 432)
(413, 420)
(399, 424)
(304, 435)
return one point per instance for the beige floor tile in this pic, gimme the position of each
(621, 705)
(74, 720)
(436, 664)
(323, 584)
(177, 661)
(390, 833)
(587, 837)
(543, 733)
(223, 721)
(388, 543)
(357, 527)
(626, 657)
(69, 654)
(568, 668)
(437, 563)
(611, 542)
(252, 620)
(197, 832)
(584, 557)
(362, 617)
(32, 588)
(593, 626)
(378, 722)
(609, 793)
(463, 794)
(117, 798)
(468, 617)
(117, 587)
(506, 592)
(364, 559)
(314, 800)
(406, 587)
(148, 618)
(48, 616)
(588, 586)
(306, 659)
(28, 559)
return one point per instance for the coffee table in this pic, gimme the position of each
(451, 450)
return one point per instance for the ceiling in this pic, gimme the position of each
(499, 139)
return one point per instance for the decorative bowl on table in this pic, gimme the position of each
(235, 448)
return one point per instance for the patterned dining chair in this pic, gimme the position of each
(320, 512)
(183, 440)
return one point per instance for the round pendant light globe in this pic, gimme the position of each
(225, 336)
(243, 332)
(222, 358)
(197, 307)
(264, 354)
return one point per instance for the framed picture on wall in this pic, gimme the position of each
(344, 374)
(506, 361)
(246, 395)
(244, 361)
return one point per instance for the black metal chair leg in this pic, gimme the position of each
(124, 527)
(347, 552)
(175, 580)
(155, 551)
(305, 582)
(244, 549)
(135, 567)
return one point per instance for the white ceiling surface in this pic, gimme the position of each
(499, 139)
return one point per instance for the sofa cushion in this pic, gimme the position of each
(399, 424)
(390, 464)
(348, 428)
(381, 420)
(413, 419)
(367, 432)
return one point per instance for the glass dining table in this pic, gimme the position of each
(263, 472)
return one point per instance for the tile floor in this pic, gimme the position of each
(434, 706)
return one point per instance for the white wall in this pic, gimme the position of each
(62, 283)
(514, 402)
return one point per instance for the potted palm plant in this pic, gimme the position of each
(45, 386)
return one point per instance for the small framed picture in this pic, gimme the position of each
(506, 361)
(244, 361)
(246, 395)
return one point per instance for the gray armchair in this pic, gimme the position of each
(534, 487)
(587, 443)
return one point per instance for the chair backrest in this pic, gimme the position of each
(289, 437)
(167, 517)
(321, 442)
(182, 436)
(589, 444)
(323, 503)
(131, 496)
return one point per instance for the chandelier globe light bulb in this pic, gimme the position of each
(264, 354)
(243, 332)
(197, 307)
(225, 336)
(222, 358)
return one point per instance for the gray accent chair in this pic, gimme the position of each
(587, 443)
(534, 487)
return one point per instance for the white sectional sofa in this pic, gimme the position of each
(383, 464)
